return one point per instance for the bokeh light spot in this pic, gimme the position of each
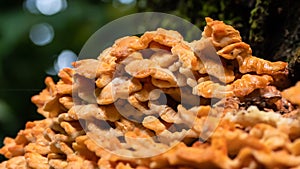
(126, 1)
(64, 59)
(30, 5)
(50, 7)
(41, 34)
(123, 4)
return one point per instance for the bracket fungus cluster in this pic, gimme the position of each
(146, 101)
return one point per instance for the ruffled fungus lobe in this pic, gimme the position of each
(159, 96)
